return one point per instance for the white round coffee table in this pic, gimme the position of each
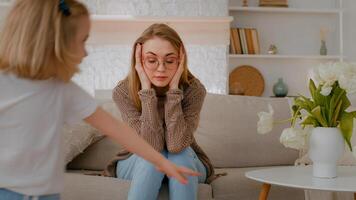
(301, 177)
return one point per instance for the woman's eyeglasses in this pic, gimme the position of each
(168, 63)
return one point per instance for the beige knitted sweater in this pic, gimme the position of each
(165, 122)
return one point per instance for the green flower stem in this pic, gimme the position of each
(282, 121)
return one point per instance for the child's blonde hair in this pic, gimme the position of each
(165, 32)
(36, 38)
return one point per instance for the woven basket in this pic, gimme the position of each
(246, 80)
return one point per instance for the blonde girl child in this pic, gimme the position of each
(42, 43)
(162, 101)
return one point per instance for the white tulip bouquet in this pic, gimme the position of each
(328, 106)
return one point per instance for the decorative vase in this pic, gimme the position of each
(326, 146)
(323, 49)
(280, 89)
(244, 3)
(272, 49)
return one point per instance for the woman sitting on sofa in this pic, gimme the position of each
(161, 100)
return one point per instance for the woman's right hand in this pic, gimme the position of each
(145, 82)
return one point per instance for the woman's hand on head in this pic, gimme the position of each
(145, 82)
(174, 84)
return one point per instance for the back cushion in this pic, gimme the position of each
(98, 155)
(227, 131)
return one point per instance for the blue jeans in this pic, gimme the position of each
(146, 180)
(10, 195)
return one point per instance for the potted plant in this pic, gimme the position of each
(327, 111)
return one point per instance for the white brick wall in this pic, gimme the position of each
(159, 7)
(106, 65)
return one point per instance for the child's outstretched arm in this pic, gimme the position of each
(126, 136)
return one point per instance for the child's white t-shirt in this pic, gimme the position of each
(32, 114)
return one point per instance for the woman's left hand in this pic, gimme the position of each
(174, 84)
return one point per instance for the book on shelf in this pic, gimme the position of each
(244, 41)
(255, 41)
(236, 36)
(249, 42)
(232, 42)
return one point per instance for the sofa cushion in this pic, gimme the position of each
(96, 156)
(79, 186)
(236, 186)
(76, 138)
(227, 132)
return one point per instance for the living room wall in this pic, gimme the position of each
(106, 64)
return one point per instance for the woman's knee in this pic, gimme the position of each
(184, 158)
(145, 168)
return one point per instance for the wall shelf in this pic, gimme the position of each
(308, 57)
(123, 29)
(296, 32)
(165, 19)
(285, 10)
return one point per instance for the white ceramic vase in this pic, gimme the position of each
(326, 146)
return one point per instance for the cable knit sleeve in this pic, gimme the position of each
(147, 122)
(182, 110)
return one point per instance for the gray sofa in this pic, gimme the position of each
(227, 133)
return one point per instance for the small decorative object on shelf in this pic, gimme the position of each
(323, 49)
(274, 3)
(280, 89)
(272, 49)
(244, 3)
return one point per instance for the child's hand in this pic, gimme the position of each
(145, 82)
(177, 172)
(176, 78)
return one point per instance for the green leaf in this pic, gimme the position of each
(336, 114)
(316, 112)
(353, 113)
(346, 102)
(310, 120)
(301, 104)
(346, 127)
(308, 102)
(312, 88)
(319, 99)
(334, 102)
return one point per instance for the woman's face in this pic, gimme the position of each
(160, 61)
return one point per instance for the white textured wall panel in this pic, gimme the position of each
(106, 65)
(159, 7)
(109, 63)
